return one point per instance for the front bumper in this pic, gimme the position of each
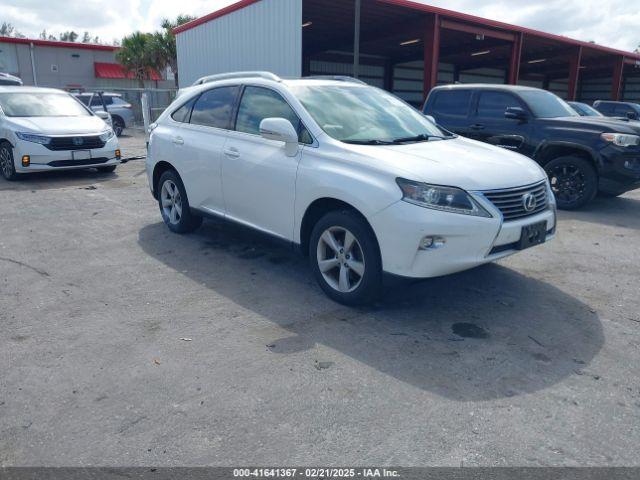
(470, 241)
(620, 170)
(44, 160)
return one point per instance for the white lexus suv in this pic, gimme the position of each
(359, 180)
(43, 129)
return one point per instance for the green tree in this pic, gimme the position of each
(70, 36)
(136, 56)
(163, 44)
(8, 30)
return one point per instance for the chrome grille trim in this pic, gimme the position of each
(510, 201)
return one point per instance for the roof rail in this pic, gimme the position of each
(227, 76)
(337, 78)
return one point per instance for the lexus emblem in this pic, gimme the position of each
(529, 202)
(77, 141)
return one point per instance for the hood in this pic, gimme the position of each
(594, 124)
(58, 125)
(459, 162)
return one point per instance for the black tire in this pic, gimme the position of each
(7, 167)
(366, 287)
(118, 125)
(186, 222)
(574, 181)
(109, 169)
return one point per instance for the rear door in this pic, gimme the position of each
(258, 177)
(199, 144)
(451, 109)
(490, 125)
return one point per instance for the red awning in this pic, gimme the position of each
(115, 70)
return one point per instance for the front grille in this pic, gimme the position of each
(511, 201)
(75, 143)
(77, 163)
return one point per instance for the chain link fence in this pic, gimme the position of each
(158, 100)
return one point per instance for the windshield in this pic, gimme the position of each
(547, 105)
(41, 105)
(365, 115)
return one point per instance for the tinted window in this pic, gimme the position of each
(96, 102)
(117, 101)
(84, 99)
(107, 100)
(182, 114)
(454, 102)
(260, 103)
(605, 108)
(213, 108)
(494, 104)
(545, 104)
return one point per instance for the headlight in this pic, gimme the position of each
(447, 199)
(621, 139)
(106, 135)
(32, 137)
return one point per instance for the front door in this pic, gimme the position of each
(491, 126)
(259, 179)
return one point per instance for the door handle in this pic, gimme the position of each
(231, 152)
(178, 141)
(477, 126)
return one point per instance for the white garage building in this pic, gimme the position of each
(403, 46)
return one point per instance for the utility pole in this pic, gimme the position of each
(356, 42)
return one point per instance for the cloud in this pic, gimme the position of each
(608, 22)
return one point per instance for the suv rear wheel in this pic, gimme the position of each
(574, 181)
(345, 258)
(174, 204)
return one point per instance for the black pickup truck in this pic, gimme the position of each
(581, 155)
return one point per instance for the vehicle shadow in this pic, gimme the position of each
(484, 334)
(616, 212)
(57, 179)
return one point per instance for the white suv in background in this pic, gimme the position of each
(359, 180)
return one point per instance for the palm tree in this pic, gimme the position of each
(136, 56)
(163, 44)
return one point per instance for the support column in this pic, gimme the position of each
(431, 53)
(616, 84)
(356, 41)
(388, 75)
(574, 74)
(516, 56)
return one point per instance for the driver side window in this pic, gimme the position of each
(259, 103)
(494, 104)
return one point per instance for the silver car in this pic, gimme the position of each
(121, 111)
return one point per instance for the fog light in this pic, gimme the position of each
(118, 154)
(26, 160)
(431, 242)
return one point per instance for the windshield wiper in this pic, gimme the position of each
(423, 137)
(368, 142)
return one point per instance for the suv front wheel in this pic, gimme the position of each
(574, 181)
(345, 258)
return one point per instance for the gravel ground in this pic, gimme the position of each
(126, 345)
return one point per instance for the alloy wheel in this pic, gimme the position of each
(5, 162)
(567, 182)
(171, 202)
(340, 259)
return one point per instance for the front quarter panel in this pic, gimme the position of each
(341, 175)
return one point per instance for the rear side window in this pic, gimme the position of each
(605, 108)
(259, 103)
(184, 112)
(214, 107)
(494, 104)
(84, 99)
(452, 102)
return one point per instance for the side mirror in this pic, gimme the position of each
(106, 116)
(280, 130)
(516, 113)
(431, 118)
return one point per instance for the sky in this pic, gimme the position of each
(613, 23)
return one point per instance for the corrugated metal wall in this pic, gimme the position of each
(266, 35)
